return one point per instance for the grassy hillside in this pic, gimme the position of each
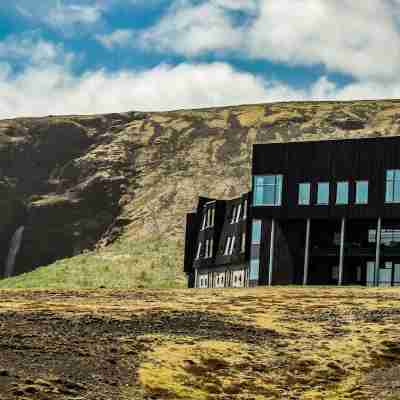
(87, 180)
(124, 264)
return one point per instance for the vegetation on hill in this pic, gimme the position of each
(77, 183)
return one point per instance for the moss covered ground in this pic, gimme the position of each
(279, 343)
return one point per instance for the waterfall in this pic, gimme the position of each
(15, 245)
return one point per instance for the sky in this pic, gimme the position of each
(102, 56)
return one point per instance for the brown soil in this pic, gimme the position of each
(281, 343)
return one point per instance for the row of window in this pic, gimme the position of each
(239, 212)
(230, 244)
(268, 190)
(208, 218)
(228, 248)
(342, 193)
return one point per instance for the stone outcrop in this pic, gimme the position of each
(77, 182)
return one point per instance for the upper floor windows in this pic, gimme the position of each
(392, 186)
(208, 218)
(362, 192)
(323, 193)
(342, 193)
(268, 190)
(304, 194)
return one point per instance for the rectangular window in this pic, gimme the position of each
(233, 216)
(268, 190)
(203, 224)
(212, 216)
(362, 192)
(207, 244)
(392, 186)
(232, 245)
(323, 193)
(227, 245)
(210, 250)
(239, 210)
(304, 194)
(342, 193)
(243, 244)
(256, 232)
(255, 250)
(245, 210)
(198, 251)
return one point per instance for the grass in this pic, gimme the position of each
(151, 263)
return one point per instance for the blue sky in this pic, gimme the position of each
(95, 56)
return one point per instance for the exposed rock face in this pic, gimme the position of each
(80, 181)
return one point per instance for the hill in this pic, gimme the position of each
(117, 187)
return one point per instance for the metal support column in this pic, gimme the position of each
(378, 250)
(341, 256)
(307, 252)
(271, 253)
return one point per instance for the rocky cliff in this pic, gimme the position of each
(79, 182)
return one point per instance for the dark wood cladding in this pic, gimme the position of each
(221, 229)
(236, 229)
(329, 161)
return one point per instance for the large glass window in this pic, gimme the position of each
(392, 186)
(342, 193)
(362, 192)
(255, 250)
(304, 194)
(268, 190)
(323, 193)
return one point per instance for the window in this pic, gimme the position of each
(207, 245)
(232, 245)
(256, 232)
(323, 193)
(268, 190)
(227, 245)
(362, 192)
(304, 194)
(342, 193)
(390, 237)
(203, 224)
(245, 209)
(239, 210)
(255, 250)
(212, 216)
(210, 249)
(198, 251)
(393, 186)
(243, 244)
(233, 215)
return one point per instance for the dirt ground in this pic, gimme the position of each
(280, 343)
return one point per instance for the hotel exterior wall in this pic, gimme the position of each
(329, 161)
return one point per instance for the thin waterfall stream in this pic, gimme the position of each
(15, 245)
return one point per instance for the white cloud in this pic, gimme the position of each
(120, 37)
(196, 29)
(64, 15)
(47, 85)
(359, 38)
(31, 49)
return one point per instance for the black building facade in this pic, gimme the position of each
(324, 213)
